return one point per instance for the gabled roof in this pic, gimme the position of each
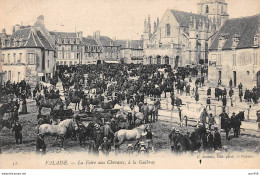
(22, 33)
(105, 40)
(245, 28)
(30, 38)
(89, 41)
(134, 44)
(183, 18)
(64, 34)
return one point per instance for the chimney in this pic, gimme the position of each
(96, 36)
(80, 34)
(40, 20)
(3, 31)
(17, 27)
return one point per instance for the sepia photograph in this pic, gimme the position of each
(129, 84)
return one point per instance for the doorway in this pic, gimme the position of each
(219, 77)
(177, 61)
(258, 79)
(235, 78)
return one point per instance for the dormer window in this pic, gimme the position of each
(256, 41)
(221, 41)
(235, 41)
(111, 43)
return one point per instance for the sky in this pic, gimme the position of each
(118, 19)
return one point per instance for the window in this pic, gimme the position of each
(234, 60)
(20, 58)
(31, 58)
(255, 59)
(4, 58)
(8, 58)
(19, 74)
(9, 74)
(207, 9)
(14, 58)
(256, 42)
(48, 64)
(168, 30)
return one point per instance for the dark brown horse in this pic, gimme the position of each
(236, 123)
(190, 143)
(72, 99)
(225, 124)
(50, 103)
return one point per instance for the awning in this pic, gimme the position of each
(115, 62)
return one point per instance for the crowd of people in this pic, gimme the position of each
(129, 85)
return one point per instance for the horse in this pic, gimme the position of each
(50, 103)
(72, 99)
(44, 119)
(199, 115)
(4, 123)
(225, 124)
(134, 134)
(236, 123)
(190, 143)
(109, 105)
(61, 130)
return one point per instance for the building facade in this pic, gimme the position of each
(182, 38)
(131, 51)
(234, 53)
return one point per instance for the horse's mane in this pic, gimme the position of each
(66, 123)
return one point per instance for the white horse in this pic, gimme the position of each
(59, 130)
(134, 134)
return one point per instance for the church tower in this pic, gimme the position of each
(215, 10)
(147, 31)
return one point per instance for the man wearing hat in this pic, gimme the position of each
(217, 139)
(211, 120)
(209, 140)
(145, 112)
(149, 138)
(108, 131)
(17, 132)
(97, 136)
(105, 146)
(40, 144)
(172, 137)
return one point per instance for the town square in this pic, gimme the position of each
(186, 82)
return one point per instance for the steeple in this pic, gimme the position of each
(145, 26)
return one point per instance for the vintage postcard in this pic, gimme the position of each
(129, 84)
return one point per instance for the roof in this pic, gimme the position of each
(22, 33)
(64, 34)
(245, 28)
(89, 41)
(105, 40)
(183, 18)
(29, 38)
(134, 44)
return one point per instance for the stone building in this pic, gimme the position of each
(28, 54)
(131, 51)
(109, 49)
(182, 38)
(234, 53)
